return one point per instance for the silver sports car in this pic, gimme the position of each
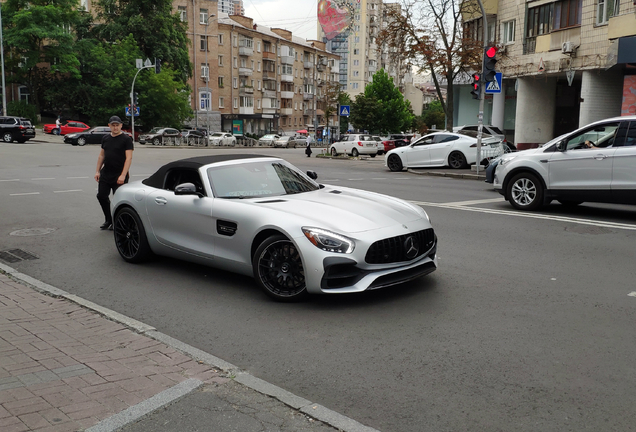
(262, 216)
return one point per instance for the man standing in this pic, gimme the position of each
(113, 164)
(308, 144)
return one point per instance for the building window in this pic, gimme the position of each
(235, 82)
(356, 39)
(605, 10)
(220, 38)
(220, 79)
(204, 100)
(356, 51)
(205, 71)
(567, 13)
(204, 43)
(259, 84)
(183, 14)
(203, 16)
(235, 102)
(235, 60)
(247, 102)
(221, 103)
(356, 73)
(259, 66)
(258, 46)
(235, 41)
(24, 94)
(258, 103)
(508, 32)
(540, 20)
(220, 60)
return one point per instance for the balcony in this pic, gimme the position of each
(308, 64)
(246, 110)
(245, 90)
(246, 51)
(308, 96)
(287, 60)
(373, 68)
(287, 78)
(287, 95)
(271, 94)
(270, 56)
(269, 75)
(270, 110)
(320, 67)
(286, 111)
(309, 112)
(243, 71)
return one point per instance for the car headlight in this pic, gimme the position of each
(506, 159)
(329, 241)
(71, 136)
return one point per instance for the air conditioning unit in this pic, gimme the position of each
(567, 48)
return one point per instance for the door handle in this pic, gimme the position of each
(600, 156)
(161, 201)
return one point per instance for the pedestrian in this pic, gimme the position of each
(113, 164)
(58, 125)
(308, 149)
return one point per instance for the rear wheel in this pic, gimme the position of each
(278, 269)
(354, 152)
(56, 131)
(394, 163)
(334, 152)
(81, 141)
(525, 192)
(130, 236)
(372, 156)
(156, 141)
(7, 137)
(457, 160)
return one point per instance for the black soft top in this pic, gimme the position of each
(156, 180)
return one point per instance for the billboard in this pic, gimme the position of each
(336, 16)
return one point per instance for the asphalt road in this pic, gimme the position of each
(527, 325)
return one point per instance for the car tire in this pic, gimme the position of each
(457, 160)
(130, 236)
(21, 141)
(354, 152)
(569, 203)
(81, 141)
(56, 132)
(7, 137)
(525, 192)
(373, 156)
(334, 152)
(156, 141)
(394, 163)
(278, 269)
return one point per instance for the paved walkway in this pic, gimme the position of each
(66, 367)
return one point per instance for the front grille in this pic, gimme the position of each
(401, 248)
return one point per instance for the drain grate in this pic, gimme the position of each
(16, 255)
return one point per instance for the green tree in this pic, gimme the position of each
(433, 115)
(158, 32)
(39, 38)
(382, 108)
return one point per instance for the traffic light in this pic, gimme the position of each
(489, 64)
(157, 65)
(476, 91)
(136, 98)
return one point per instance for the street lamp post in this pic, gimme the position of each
(4, 91)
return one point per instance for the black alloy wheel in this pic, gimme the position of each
(394, 163)
(457, 160)
(130, 237)
(278, 269)
(7, 137)
(81, 141)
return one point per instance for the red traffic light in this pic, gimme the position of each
(491, 52)
(476, 77)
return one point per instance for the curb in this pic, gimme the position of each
(132, 414)
(447, 174)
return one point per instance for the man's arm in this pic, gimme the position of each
(124, 173)
(100, 163)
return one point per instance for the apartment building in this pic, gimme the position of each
(565, 63)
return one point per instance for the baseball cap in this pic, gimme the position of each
(114, 119)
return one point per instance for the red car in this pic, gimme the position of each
(70, 126)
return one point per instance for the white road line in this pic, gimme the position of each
(44, 178)
(356, 179)
(402, 178)
(9, 180)
(484, 201)
(71, 190)
(72, 178)
(332, 180)
(27, 193)
(531, 215)
(378, 178)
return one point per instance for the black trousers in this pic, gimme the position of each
(103, 192)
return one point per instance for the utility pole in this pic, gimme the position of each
(4, 89)
(147, 65)
(480, 119)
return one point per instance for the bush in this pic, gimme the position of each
(23, 109)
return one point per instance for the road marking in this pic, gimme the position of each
(632, 294)
(44, 178)
(403, 178)
(613, 225)
(484, 201)
(27, 193)
(9, 180)
(356, 179)
(71, 190)
(72, 178)
(378, 178)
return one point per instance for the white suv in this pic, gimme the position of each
(355, 144)
(596, 163)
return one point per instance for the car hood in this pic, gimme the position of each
(344, 210)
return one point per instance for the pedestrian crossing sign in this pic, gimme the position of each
(345, 110)
(494, 86)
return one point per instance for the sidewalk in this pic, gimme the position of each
(67, 364)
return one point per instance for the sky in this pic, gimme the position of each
(297, 16)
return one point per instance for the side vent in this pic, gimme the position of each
(226, 228)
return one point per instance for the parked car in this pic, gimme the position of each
(222, 138)
(66, 128)
(268, 140)
(286, 141)
(159, 136)
(128, 130)
(595, 163)
(487, 129)
(383, 145)
(193, 137)
(354, 145)
(90, 136)
(442, 149)
(268, 222)
(400, 140)
(17, 129)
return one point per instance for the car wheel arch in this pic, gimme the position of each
(261, 237)
(522, 170)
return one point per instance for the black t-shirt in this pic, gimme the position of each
(114, 156)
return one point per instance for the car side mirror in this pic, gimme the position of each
(186, 189)
(312, 175)
(561, 145)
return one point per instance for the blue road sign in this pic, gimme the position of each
(345, 110)
(494, 86)
(128, 111)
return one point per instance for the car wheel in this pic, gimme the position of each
(457, 160)
(56, 132)
(334, 153)
(569, 203)
(156, 141)
(81, 141)
(286, 145)
(354, 152)
(21, 141)
(525, 192)
(130, 236)
(278, 269)
(394, 163)
(7, 137)
(372, 156)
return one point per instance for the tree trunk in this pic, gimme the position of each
(449, 102)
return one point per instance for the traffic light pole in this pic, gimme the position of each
(132, 101)
(482, 94)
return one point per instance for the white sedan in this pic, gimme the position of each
(354, 145)
(268, 140)
(456, 150)
(222, 138)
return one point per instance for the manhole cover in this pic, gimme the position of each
(16, 255)
(32, 232)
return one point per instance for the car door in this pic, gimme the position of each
(182, 222)
(441, 148)
(624, 164)
(581, 172)
(418, 153)
(96, 135)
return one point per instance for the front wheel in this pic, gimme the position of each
(457, 160)
(525, 192)
(334, 153)
(394, 163)
(7, 137)
(278, 269)
(130, 236)
(372, 156)
(156, 141)
(354, 152)
(81, 141)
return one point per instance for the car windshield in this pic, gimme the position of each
(495, 129)
(284, 138)
(377, 138)
(267, 137)
(259, 179)
(217, 134)
(155, 130)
